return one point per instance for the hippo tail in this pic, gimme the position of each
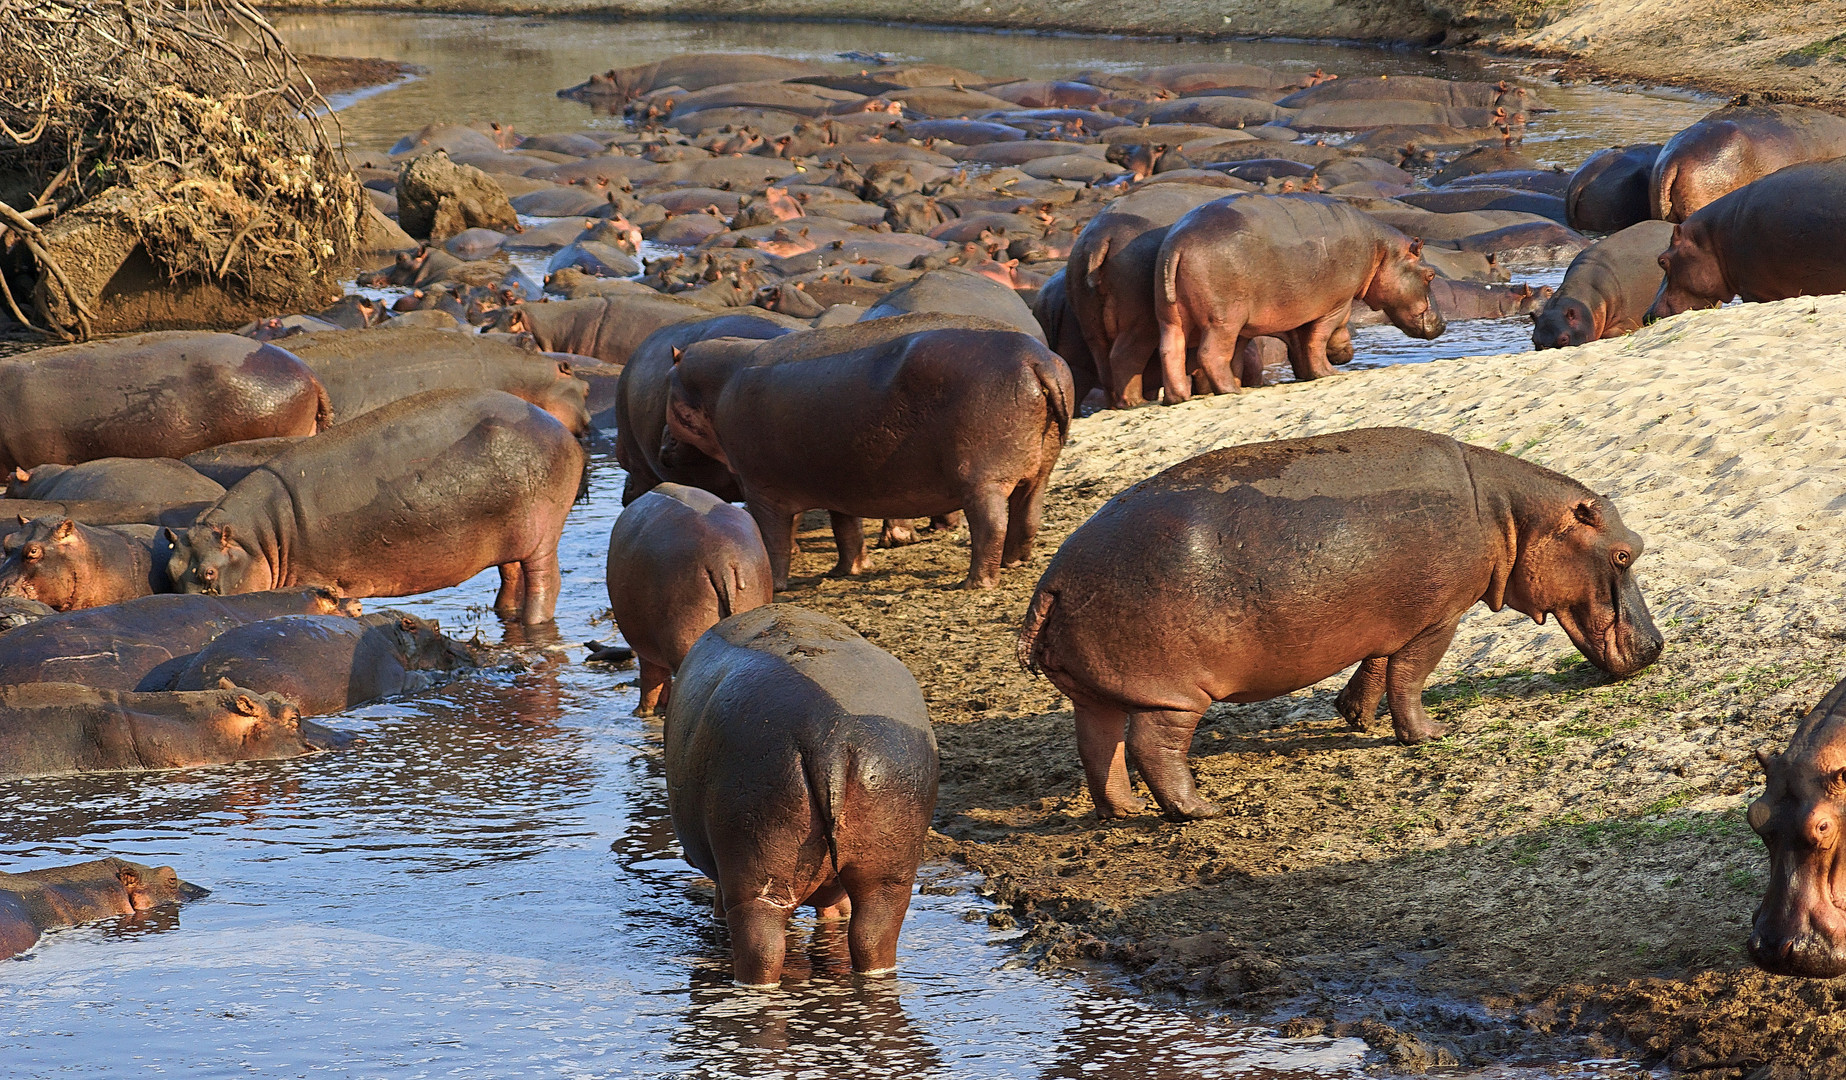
(1036, 617)
(323, 409)
(1054, 379)
(1660, 188)
(826, 778)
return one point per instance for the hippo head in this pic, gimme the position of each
(1564, 322)
(1694, 280)
(700, 371)
(260, 727)
(424, 646)
(148, 887)
(208, 560)
(1400, 289)
(1800, 929)
(47, 561)
(1579, 566)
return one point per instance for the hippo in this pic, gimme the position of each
(641, 404)
(54, 728)
(17, 611)
(116, 480)
(1461, 301)
(1168, 600)
(689, 71)
(1800, 928)
(1235, 269)
(364, 371)
(231, 462)
(681, 560)
(1454, 93)
(1733, 146)
(1460, 199)
(904, 417)
(605, 327)
(801, 769)
(39, 900)
(152, 395)
(1776, 238)
(328, 663)
(1608, 192)
(955, 291)
(450, 481)
(67, 565)
(1607, 290)
(1062, 334)
(139, 644)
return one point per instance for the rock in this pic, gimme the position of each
(437, 199)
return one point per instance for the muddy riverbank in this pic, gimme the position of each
(1738, 46)
(1568, 874)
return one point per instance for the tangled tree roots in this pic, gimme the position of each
(162, 165)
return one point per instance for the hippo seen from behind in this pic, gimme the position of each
(39, 900)
(801, 769)
(1252, 571)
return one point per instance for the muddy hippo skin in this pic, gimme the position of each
(1608, 192)
(801, 769)
(140, 644)
(40, 900)
(894, 418)
(1238, 268)
(1252, 571)
(1800, 929)
(116, 480)
(328, 663)
(680, 561)
(68, 565)
(641, 405)
(49, 728)
(1734, 146)
(1779, 237)
(364, 371)
(1607, 290)
(151, 395)
(419, 495)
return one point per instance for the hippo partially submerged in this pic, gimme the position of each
(1252, 571)
(40, 900)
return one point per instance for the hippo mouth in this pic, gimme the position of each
(1627, 641)
(189, 891)
(326, 738)
(1810, 956)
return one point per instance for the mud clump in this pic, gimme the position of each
(437, 199)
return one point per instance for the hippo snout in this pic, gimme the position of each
(326, 738)
(1807, 954)
(189, 891)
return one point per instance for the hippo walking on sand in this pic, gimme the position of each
(1800, 928)
(1253, 571)
(40, 900)
(801, 769)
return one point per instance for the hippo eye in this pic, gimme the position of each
(1623, 557)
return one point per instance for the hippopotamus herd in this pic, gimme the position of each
(883, 295)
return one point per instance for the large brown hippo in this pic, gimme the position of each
(1776, 238)
(115, 480)
(421, 494)
(1287, 266)
(1607, 290)
(1608, 192)
(140, 644)
(151, 395)
(801, 769)
(48, 728)
(1733, 146)
(895, 418)
(364, 371)
(641, 404)
(1255, 570)
(40, 900)
(328, 663)
(1800, 929)
(680, 561)
(69, 565)
(1064, 336)
(955, 291)
(605, 327)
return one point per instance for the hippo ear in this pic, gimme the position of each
(1416, 247)
(65, 530)
(171, 537)
(1588, 513)
(23, 520)
(225, 539)
(245, 705)
(1766, 760)
(128, 876)
(226, 684)
(21, 475)
(407, 624)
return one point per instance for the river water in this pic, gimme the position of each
(488, 885)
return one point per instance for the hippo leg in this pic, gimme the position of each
(778, 529)
(1408, 669)
(987, 527)
(849, 537)
(896, 534)
(1129, 356)
(654, 689)
(759, 938)
(1249, 363)
(878, 906)
(1100, 744)
(1307, 345)
(540, 579)
(506, 601)
(1025, 511)
(831, 902)
(1217, 356)
(1158, 741)
(944, 523)
(1174, 381)
(1358, 703)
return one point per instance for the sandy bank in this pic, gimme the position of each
(1569, 871)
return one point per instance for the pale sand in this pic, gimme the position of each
(1720, 435)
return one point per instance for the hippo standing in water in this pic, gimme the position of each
(1779, 237)
(69, 565)
(801, 769)
(680, 561)
(152, 395)
(1607, 290)
(421, 494)
(1252, 571)
(1246, 267)
(1734, 146)
(40, 900)
(328, 663)
(49, 729)
(1800, 929)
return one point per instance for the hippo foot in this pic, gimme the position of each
(898, 536)
(1116, 811)
(1412, 734)
(973, 583)
(1195, 810)
(1357, 717)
